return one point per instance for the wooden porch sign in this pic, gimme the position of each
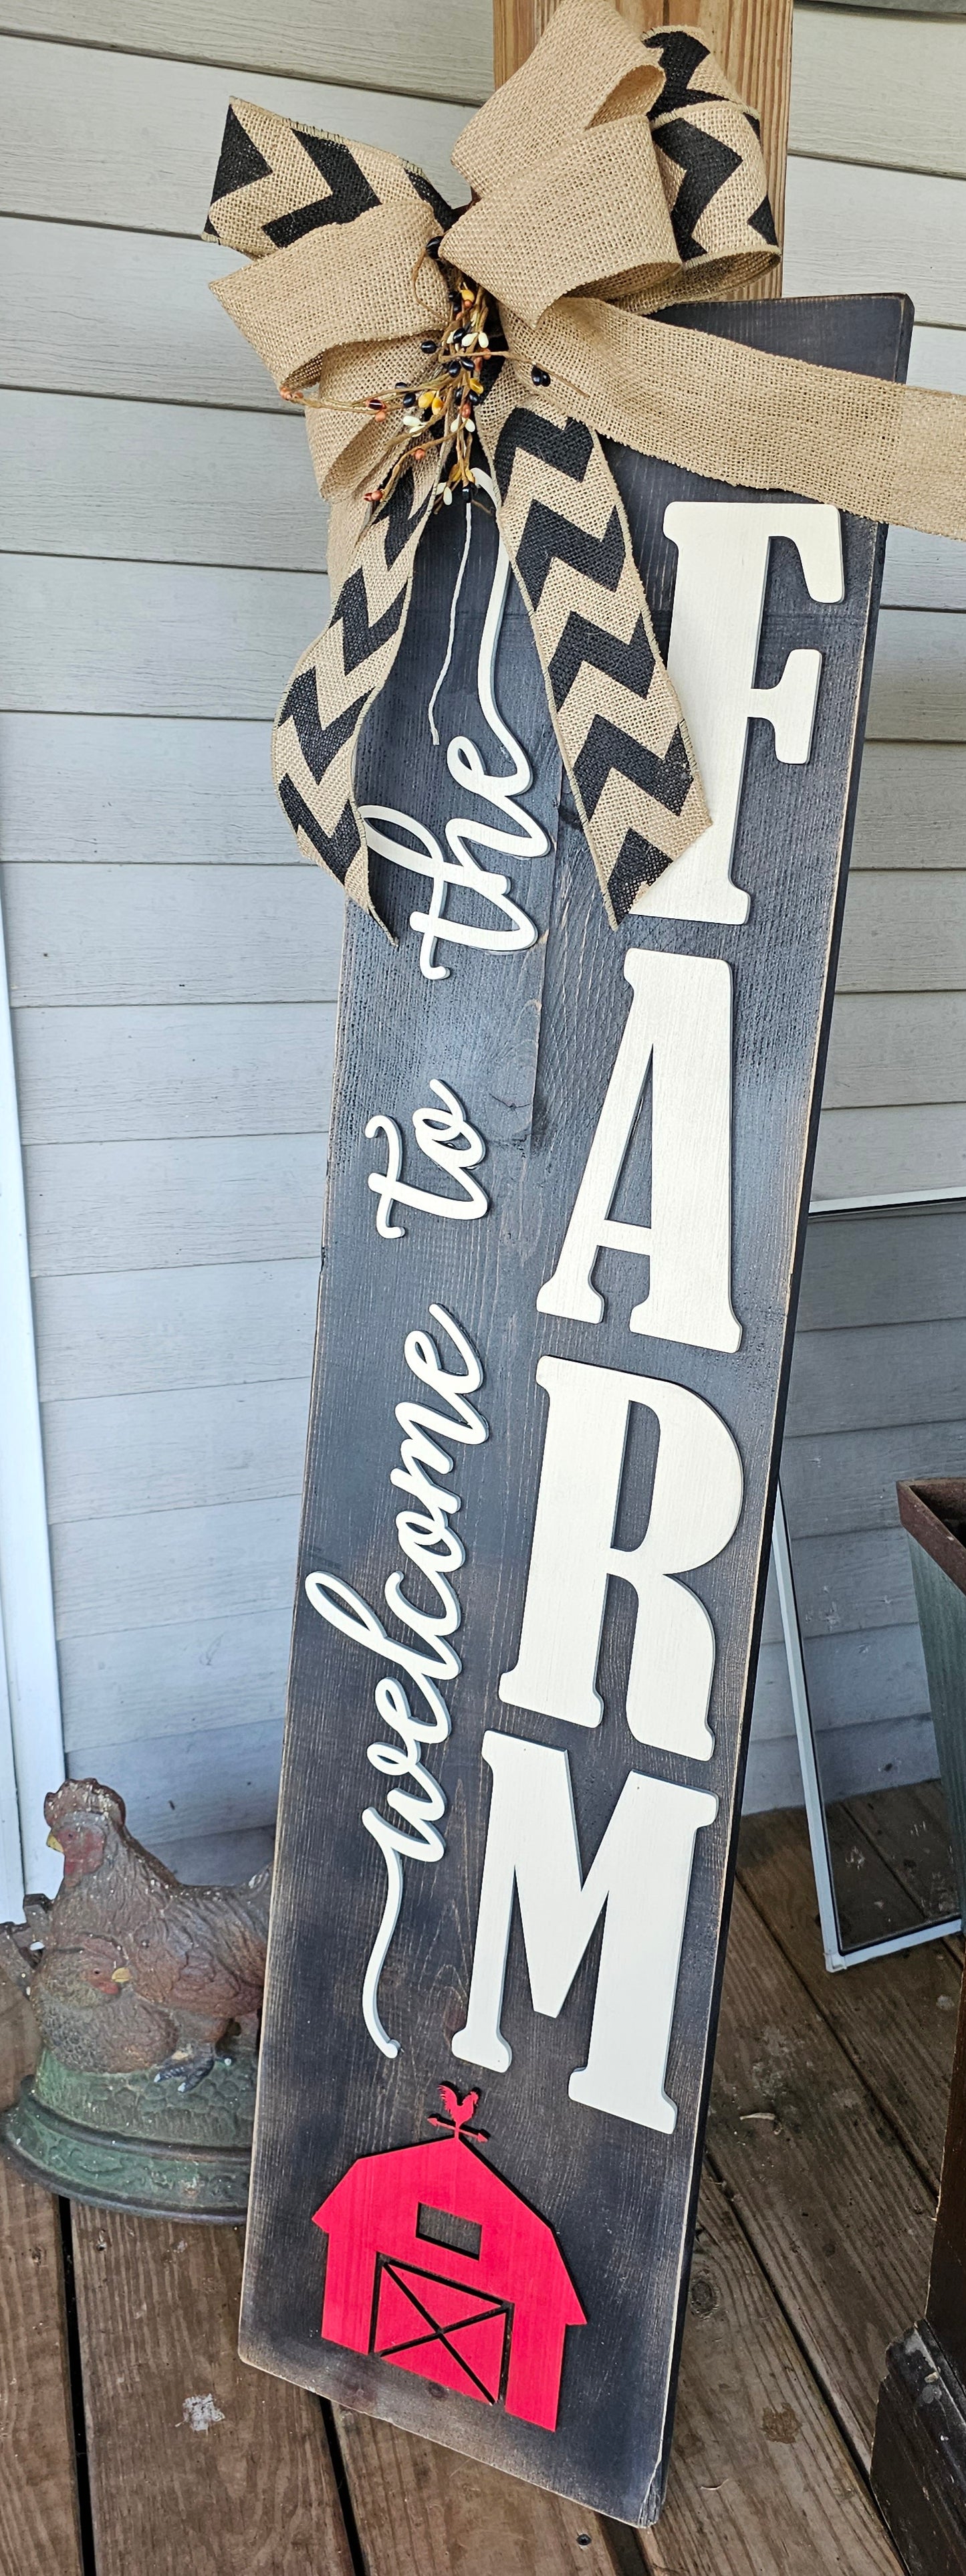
(568, 1172)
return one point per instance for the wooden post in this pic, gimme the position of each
(753, 43)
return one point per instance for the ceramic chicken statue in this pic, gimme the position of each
(136, 1982)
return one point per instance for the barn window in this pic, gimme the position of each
(461, 2234)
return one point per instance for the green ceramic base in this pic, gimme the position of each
(125, 2142)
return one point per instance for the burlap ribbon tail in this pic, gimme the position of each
(610, 177)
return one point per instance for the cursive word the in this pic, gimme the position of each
(429, 1544)
(447, 1139)
(525, 840)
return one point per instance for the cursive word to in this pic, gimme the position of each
(525, 840)
(447, 1139)
(429, 1543)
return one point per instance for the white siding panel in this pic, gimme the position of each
(181, 1201)
(152, 132)
(95, 312)
(151, 639)
(904, 931)
(887, 90)
(185, 1786)
(168, 790)
(178, 483)
(123, 934)
(162, 482)
(923, 572)
(188, 1447)
(855, 231)
(862, 1152)
(139, 1331)
(185, 639)
(140, 788)
(890, 1048)
(423, 51)
(222, 1671)
(918, 688)
(938, 358)
(911, 808)
(231, 1071)
(154, 1569)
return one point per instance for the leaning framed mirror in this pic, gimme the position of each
(843, 1711)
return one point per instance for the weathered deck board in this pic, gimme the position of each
(838, 2215)
(38, 2496)
(761, 2481)
(912, 1833)
(422, 2511)
(199, 2467)
(895, 2017)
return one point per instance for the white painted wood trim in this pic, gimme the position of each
(30, 1650)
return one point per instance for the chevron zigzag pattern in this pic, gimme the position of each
(277, 180)
(331, 690)
(616, 716)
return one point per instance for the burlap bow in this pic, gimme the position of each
(610, 176)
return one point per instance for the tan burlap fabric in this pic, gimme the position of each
(611, 176)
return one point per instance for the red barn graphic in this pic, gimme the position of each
(436, 2265)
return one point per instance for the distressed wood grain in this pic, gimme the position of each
(895, 2018)
(762, 2482)
(820, 2183)
(187, 2449)
(38, 2495)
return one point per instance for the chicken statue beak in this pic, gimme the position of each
(120, 1976)
(52, 1842)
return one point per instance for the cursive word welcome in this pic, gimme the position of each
(525, 840)
(428, 1542)
(447, 1139)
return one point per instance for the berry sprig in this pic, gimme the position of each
(439, 410)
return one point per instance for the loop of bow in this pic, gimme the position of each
(612, 175)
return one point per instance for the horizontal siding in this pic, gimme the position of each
(871, 231)
(233, 1558)
(214, 1672)
(144, 1331)
(186, 1448)
(875, 1376)
(226, 1071)
(187, 639)
(862, 1152)
(153, 132)
(898, 1266)
(139, 788)
(162, 482)
(896, 1049)
(181, 1200)
(410, 50)
(224, 1782)
(151, 639)
(123, 934)
(876, 89)
(177, 483)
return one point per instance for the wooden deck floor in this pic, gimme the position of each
(134, 2443)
